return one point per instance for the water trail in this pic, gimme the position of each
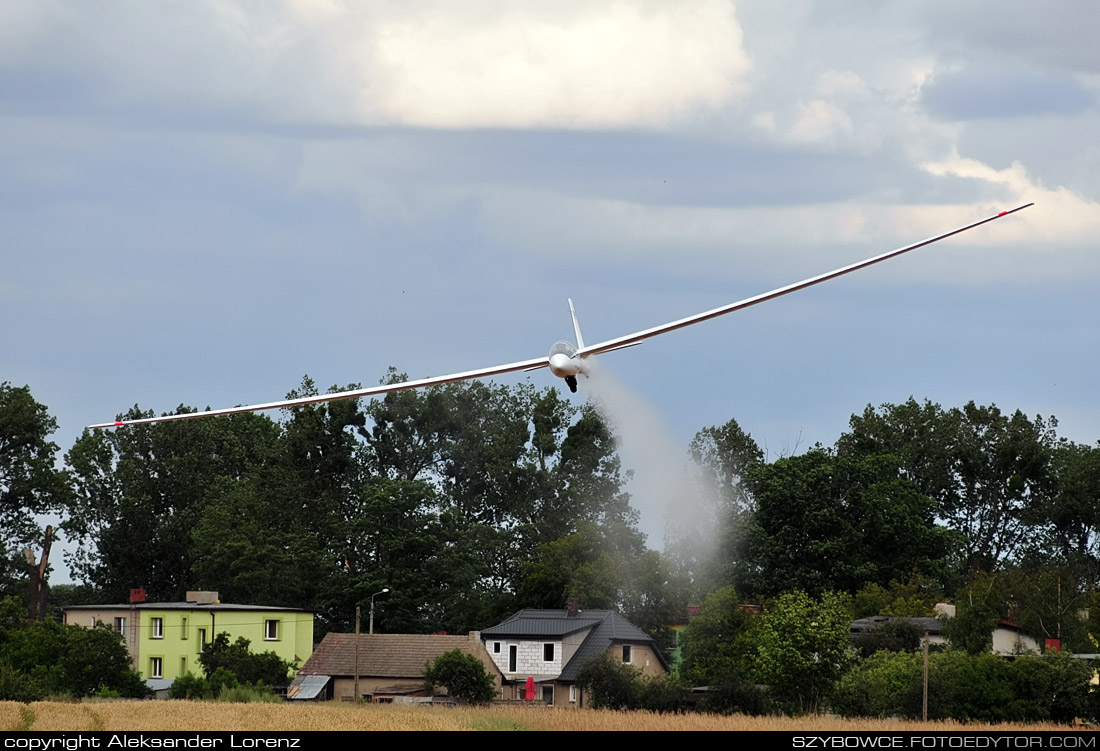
(666, 490)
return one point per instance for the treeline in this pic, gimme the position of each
(796, 656)
(457, 499)
(472, 500)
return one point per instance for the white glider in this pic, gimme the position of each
(567, 360)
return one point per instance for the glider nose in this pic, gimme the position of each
(563, 366)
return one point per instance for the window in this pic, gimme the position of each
(120, 625)
(202, 638)
(513, 656)
(183, 628)
(271, 630)
(548, 695)
(158, 628)
(94, 622)
(573, 693)
(155, 667)
(496, 647)
(628, 654)
(547, 652)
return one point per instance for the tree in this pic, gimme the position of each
(706, 542)
(43, 657)
(142, 491)
(265, 668)
(895, 635)
(829, 521)
(803, 648)
(463, 675)
(716, 643)
(30, 483)
(986, 470)
(609, 683)
(978, 606)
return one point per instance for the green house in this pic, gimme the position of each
(165, 638)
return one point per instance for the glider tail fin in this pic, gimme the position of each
(576, 326)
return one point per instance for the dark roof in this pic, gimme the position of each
(185, 606)
(385, 655)
(607, 628)
(931, 625)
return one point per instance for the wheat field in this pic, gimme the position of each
(199, 716)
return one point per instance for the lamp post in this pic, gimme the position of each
(384, 591)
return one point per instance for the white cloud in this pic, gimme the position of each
(820, 122)
(597, 65)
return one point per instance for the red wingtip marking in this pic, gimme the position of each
(1002, 213)
(118, 422)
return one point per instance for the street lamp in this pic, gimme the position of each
(384, 591)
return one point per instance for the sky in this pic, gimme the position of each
(202, 202)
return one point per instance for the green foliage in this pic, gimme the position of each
(609, 684)
(978, 606)
(986, 470)
(885, 684)
(463, 675)
(664, 693)
(913, 598)
(41, 658)
(989, 688)
(248, 694)
(189, 686)
(220, 659)
(803, 648)
(985, 687)
(717, 644)
(735, 695)
(894, 635)
(835, 522)
(1048, 601)
(30, 484)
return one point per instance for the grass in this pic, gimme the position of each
(195, 715)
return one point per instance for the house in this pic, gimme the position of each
(165, 638)
(390, 666)
(1009, 638)
(551, 646)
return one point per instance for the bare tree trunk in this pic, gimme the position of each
(40, 590)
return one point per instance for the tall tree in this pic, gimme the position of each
(30, 482)
(833, 522)
(706, 542)
(142, 490)
(803, 648)
(987, 471)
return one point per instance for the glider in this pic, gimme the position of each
(566, 359)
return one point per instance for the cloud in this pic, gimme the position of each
(487, 63)
(596, 65)
(984, 92)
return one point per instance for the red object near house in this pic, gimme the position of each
(137, 595)
(1053, 645)
(529, 689)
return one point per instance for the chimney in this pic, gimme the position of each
(137, 595)
(202, 597)
(572, 607)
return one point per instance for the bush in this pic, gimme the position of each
(609, 683)
(882, 685)
(245, 665)
(189, 686)
(733, 695)
(464, 676)
(663, 693)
